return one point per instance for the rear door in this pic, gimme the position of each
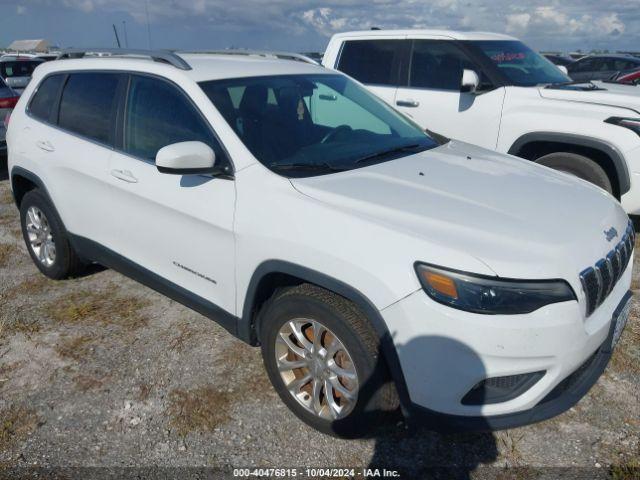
(72, 142)
(433, 98)
(178, 227)
(374, 62)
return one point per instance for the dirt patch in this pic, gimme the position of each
(84, 383)
(201, 409)
(186, 333)
(16, 423)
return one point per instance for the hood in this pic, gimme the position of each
(521, 219)
(613, 95)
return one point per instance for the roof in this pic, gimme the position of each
(39, 45)
(451, 34)
(203, 66)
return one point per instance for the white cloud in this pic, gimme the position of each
(21, 9)
(517, 22)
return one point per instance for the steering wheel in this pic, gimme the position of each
(335, 132)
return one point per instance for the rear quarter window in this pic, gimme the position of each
(87, 105)
(42, 103)
(371, 61)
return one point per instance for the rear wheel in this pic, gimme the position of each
(46, 237)
(322, 358)
(578, 165)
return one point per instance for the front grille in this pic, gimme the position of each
(599, 280)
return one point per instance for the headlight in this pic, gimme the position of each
(630, 123)
(490, 295)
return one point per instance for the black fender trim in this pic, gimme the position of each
(246, 327)
(98, 253)
(32, 177)
(616, 156)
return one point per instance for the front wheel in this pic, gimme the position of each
(578, 165)
(323, 359)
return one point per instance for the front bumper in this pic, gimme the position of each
(444, 353)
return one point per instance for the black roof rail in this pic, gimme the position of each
(259, 53)
(163, 56)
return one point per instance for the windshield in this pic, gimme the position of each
(18, 68)
(304, 125)
(520, 64)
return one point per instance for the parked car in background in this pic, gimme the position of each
(8, 100)
(492, 90)
(47, 57)
(632, 78)
(16, 70)
(602, 67)
(560, 60)
(371, 263)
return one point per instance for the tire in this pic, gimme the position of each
(579, 166)
(375, 395)
(62, 261)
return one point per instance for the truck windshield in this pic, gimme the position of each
(306, 125)
(519, 63)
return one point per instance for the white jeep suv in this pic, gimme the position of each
(493, 91)
(374, 266)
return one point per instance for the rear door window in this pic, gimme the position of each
(88, 105)
(42, 103)
(374, 62)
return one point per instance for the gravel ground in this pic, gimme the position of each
(102, 372)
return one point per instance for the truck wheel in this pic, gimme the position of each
(578, 165)
(323, 359)
(46, 237)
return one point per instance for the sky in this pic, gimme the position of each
(306, 25)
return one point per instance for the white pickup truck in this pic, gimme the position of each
(492, 90)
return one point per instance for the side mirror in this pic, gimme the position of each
(17, 82)
(563, 69)
(470, 81)
(186, 158)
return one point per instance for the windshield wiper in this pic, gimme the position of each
(384, 153)
(571, 82)
(324, 167)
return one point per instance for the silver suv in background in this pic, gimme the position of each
(16, 70)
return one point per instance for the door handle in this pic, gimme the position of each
(407, 103)
(124, 175)
(45, 145)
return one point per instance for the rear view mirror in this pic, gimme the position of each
(186, 158)
(470, 81)
(563, 69)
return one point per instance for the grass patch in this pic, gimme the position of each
(144, 391)
(107, 306)
(31, 286)
(16, 423)
(75, 348)
(201, 409)
(6, 197)
(7, 251)
(626, 356)
(185, 334)
(84, 383)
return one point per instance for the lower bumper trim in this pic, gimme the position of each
(564, 396)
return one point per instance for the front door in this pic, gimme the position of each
(433, 97)
(179, 227)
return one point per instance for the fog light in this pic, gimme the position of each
(501, 389)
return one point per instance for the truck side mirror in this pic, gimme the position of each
(470, 81)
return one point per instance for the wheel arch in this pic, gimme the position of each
(272, 275)
(535, 144)
(23, 181)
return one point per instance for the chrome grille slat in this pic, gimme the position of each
(598, 281)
